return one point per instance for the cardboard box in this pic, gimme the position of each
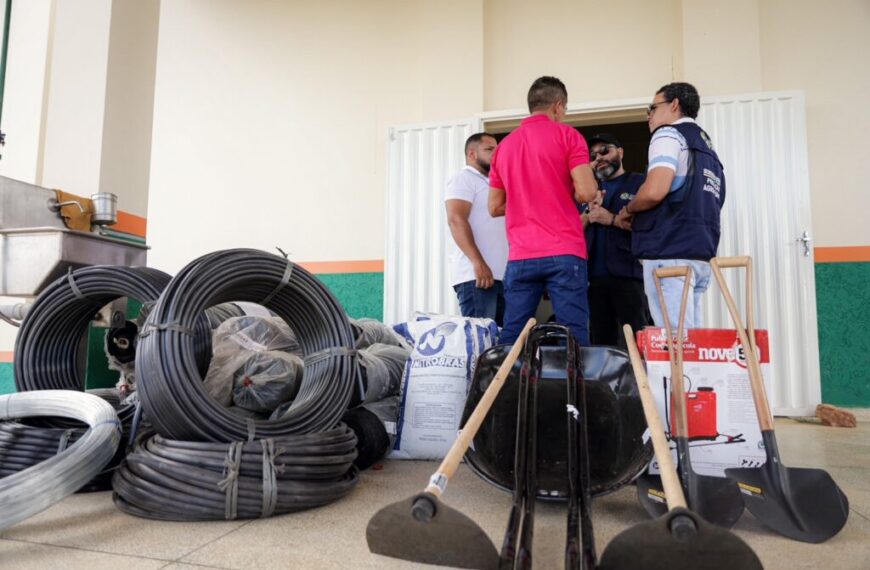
(723, 425)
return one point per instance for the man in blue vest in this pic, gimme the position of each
(675, 215)
(616, 294)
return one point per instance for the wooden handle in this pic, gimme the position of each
(670, 481)
(675, 354)
(729, 262)
(676, 271)
(448, 466)
(746, 334)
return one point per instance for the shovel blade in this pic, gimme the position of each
(653, 546)
(716, 499)
(449, 538)
(801, 504)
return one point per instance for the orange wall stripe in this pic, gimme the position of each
(362, 266)
(842, 254)
(6, 356)
(130, 224)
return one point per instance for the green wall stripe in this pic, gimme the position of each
(361, 294)
(843, 298)
(7, 379)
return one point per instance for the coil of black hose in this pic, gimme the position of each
(169, 384)
(192, 481)
(47, 346)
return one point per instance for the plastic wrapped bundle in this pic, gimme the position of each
(369, 331)
(267, 380)
(248, 343)
(382, 367)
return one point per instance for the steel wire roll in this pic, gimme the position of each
(38, 487)
(170, 386)
(23, 446)
(191, 481)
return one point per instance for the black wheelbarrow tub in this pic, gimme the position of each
(615, 422)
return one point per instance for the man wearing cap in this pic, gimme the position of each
(479, 249)
(675, 214)
(616, 294)
(538, 173)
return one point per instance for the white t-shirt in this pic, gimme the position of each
(668, 149)
(489, 233)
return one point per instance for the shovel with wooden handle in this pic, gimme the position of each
(716, 499)
(679, 540)
(422, 528)
(802, 504)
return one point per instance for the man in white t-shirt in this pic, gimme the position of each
(479, 248)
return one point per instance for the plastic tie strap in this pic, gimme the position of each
(64, 440)
(329, 353)
(285, 279)
(159, 327)
(73, 286)
(116, 423)
(137, 420)
(230, 483)
(252, 428)
(270, 478)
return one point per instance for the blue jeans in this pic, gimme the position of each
(481, 303)
(563, 277)
(672, 290)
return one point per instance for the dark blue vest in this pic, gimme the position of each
(615, 243)
(685, 225)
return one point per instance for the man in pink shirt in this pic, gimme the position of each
(537, 173)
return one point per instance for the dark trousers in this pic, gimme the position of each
(563, 277)
(614, 302)
(481, 303)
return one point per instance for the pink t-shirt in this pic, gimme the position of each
(533, 166)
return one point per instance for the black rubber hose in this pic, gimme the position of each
(47, 346)
(170, 385)
(191, 481)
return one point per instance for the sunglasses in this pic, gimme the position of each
(652, 108)
(601, 152)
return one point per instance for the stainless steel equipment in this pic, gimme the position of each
(36, 247)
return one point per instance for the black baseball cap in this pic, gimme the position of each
(605, 138)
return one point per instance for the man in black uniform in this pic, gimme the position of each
(616, 294)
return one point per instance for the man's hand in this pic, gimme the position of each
(599, 198)
(599, 215)
(483, 278)
(623, 220)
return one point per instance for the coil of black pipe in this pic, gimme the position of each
(191, 481)
(47, 346)
(169, 384)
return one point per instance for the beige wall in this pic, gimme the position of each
(616, 50)
(26, 89)
(125, 163)
(629, 48)
(79, 96)
(271, 118)
(823, 48)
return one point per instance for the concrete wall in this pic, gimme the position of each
(271, 118)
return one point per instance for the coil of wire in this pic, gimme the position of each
(170, 386)
(23, 445)
(180, 480)
(36, 488)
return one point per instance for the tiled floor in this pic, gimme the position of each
(87, 532)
